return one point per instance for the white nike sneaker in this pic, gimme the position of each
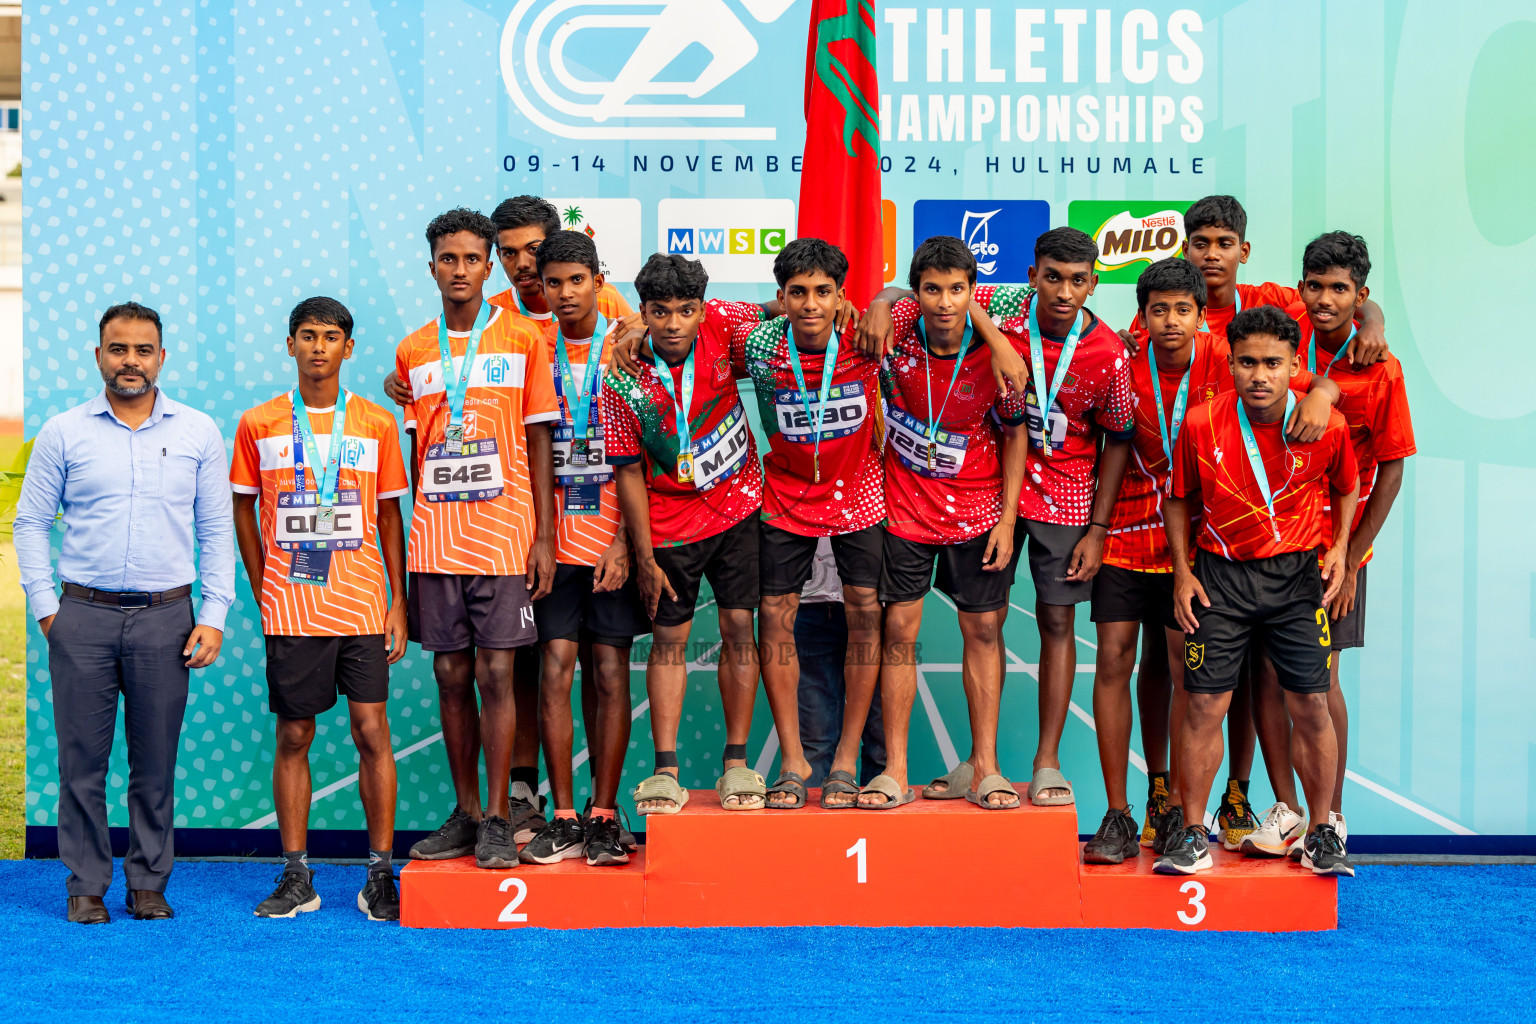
(1281, 827)
(1336, 819)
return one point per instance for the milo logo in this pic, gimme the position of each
(1129, 236)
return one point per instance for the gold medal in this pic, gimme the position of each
(685, 467)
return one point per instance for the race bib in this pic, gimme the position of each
(845, 413)
(1034, 423)
(908, 436)
(594, 469)
(295, 522)
(720, 453)
(473, 475)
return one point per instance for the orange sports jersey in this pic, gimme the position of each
(455, 527)
(1249, 296)
(352, 601)
(1374, 402)
(609, 303)
(581, 539)
(1211, 462)
(1136, 537)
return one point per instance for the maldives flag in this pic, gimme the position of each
(840, 175)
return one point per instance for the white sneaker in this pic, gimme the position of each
(1281, 826)
(1336, 819)
(1299, 846)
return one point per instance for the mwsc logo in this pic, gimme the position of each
(735, 239)
(541, 80)
(696, 242)
(1130, 236)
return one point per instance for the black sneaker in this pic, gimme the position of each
(455, 839)
(294, 895)
(527, 820)
(1185, 853)
(1169, 824)
(1323, 853)
(1157, 806)
(380, 900)
(603, 845)
(1114, 841)
(494, 847)
(561, 839)
(626, 837)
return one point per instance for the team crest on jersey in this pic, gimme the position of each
(495, 370)
(966, 390)
(1299, 461)
(1194, 655)
(1210, 392)
(1069, 382)
(352, 453)
(722, 369)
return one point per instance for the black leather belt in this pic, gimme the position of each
(126, 598)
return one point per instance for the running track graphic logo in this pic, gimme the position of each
(545, 87)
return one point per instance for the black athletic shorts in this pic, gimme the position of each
(908, 573)
(1278, 601)
(452, 613)
(573, 611)
(1350, 630)
(728, 560)
(785, 559)
(305, 673)
(1126, 595)
(1050, 555)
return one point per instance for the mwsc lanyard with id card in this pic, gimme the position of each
(1046, 397)
(682, 400)
(580, 468)
(1256, 458)
(312, 524)
(458, 469)
(828, 365)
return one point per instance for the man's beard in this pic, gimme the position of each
(110, 379)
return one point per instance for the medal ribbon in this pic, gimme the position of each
(829, 362)
(580, 407)
(1312, 350)
(304, 448)
(1256, 460)
(1037, 364)
(680, 402)
(457, 386)
(935, 421)
(1170, 431)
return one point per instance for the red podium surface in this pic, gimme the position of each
(456, 894)
(931, 862)
(1238, 894)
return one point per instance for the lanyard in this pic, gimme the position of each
(1170, 431)
(829, 362)
(1256, 460)
(681, 403)
(304, 449)
(1312, 350)
(936, 420)
(457, 387)
(1037, 361)
(580, 407)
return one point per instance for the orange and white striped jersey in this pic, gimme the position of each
(582, 539)
(352, 603)
(509, 387)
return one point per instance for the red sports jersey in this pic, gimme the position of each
(641, 423)
(1374, 403)
(1212, 462)
(351, 603)
(851, 493)
(1137, 540)
(1095, 393)
(454, 529)
(1249, 296)
(961, 496)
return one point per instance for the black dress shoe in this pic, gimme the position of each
(88, 910)
(148, 905)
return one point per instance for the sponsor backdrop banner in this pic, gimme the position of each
(223, 161)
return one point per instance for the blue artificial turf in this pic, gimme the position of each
(1410, 940)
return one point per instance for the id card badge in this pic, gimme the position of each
(472, 475)
(310, 567)
(299, 523)
(574, 468)
(845, 413)
(583, 500)
(909, 439)
(718, 455)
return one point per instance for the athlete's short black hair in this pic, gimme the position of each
(1263, 320)
(1066, 245)
(807, 256)
(1170, 275)
(320, 309)
(1216, 212)
(568, 247)
(941, 252)
(130, 311)
(1337, 249)
(461, 219)
(670, 277)
(526, 211)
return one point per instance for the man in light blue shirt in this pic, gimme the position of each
(143, 483)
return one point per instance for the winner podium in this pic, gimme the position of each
(932, 862)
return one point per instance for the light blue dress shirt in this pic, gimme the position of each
(135, 502)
